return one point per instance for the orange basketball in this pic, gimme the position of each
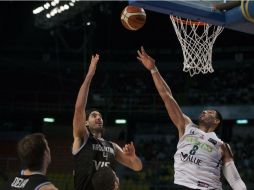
(133, 18)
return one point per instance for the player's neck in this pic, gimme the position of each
(205, 128)
(29, 172)
(97, 135)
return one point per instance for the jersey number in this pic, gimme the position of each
(193, 150)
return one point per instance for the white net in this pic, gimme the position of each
(196, 39)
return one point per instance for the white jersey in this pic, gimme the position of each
(198, 159)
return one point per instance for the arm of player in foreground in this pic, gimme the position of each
(80, 132)
(229, 170)
(177, 116)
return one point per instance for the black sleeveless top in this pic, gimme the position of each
(22, 182)
(94, 154)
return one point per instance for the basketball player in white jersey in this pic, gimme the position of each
(200, 153)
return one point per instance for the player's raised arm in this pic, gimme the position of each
(179, 119)
(80, 132)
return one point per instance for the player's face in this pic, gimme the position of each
(95, 120)
(208, 117)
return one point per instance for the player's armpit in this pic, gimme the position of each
(227, 153)
(48, 187)
(187, 120)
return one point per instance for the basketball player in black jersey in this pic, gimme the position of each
(90, 150)
(34, 155)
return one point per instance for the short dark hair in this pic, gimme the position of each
(31, 151)
(90, 110)
(104, 179)
(219, 117)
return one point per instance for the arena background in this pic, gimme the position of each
(43, 65)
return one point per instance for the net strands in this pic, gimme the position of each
(196, 39)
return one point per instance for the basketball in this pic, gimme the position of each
(133, 18)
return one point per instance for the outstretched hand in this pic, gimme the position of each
(94, 60)
(145, 59)
(129, 150)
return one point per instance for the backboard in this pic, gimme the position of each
(239, 17)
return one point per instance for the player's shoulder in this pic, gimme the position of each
(227, 152)
(48, 187)
(190, 126)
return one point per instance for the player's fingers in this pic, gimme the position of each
(139, 53)
(139, 59)
(143, 50)
(132, 145)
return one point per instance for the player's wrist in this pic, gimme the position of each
(154, 70)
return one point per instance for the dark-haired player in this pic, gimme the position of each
(90, 150)
(200, 153)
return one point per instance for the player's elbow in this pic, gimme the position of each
(138, 167)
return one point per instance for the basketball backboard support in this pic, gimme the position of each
(202, 10)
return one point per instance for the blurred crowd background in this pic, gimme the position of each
(42, 68)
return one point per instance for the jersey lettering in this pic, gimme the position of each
(198, 153)
(100, 164)
(202, 145)
(193, 150)
(19, 182)
(190, 158)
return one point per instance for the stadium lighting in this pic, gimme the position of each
(51, 9)
(52, 13)
(38, 10)
(120, 121)
(48, 120)
(242, 121)
(46, 6)
(53, 3)
(66, 7)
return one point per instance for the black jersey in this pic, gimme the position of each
(94, 154)
(23, 182)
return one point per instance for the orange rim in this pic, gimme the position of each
(189, 22)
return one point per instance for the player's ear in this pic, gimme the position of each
(217, 121)
(86, 124)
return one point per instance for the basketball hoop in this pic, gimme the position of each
(197, 39)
